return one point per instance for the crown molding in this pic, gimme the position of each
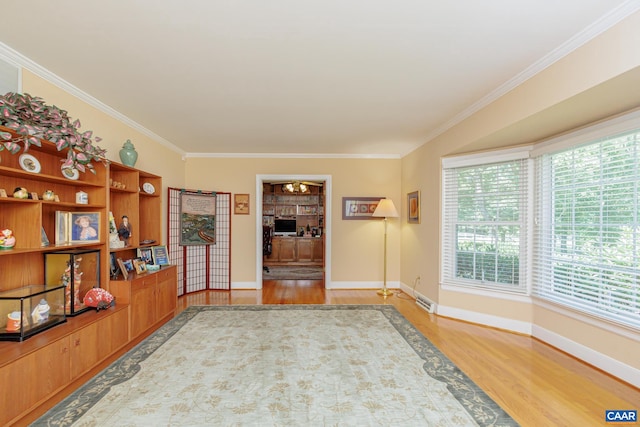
(598, 27)
(22, 61)
(293, 156)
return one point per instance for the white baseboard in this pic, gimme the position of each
(608, 364)
(601, 361)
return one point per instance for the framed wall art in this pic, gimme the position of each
(197, 219)
(359, 207)
(241, 204)
(413, 207)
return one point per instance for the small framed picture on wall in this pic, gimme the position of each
(241, 204)
(413, 207)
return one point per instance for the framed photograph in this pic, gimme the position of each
(359, 207)
(85, 227)
(140, 266)
(241, 204)
(114, 267)
(123, 268)
(128, 265)
(413, 207)
(160, 256)
(146, 255)
(62, 228)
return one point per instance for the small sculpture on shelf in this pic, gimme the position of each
(7, 240)
(48, 195)
(66, 281)
(40, 313)
(20, 193)
(124, 230)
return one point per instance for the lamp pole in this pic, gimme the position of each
(384, 291)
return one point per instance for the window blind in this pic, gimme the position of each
(485, 225)
(587, 228)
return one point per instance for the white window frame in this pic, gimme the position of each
(447, 276)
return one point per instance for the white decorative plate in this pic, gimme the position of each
(29, 163)
(70, 173)
(148, 188)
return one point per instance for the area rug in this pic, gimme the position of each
(293, 272)
(285, 365)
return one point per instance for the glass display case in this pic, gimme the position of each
(78, 271)
(26, 311)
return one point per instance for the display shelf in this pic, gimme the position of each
(71, 349)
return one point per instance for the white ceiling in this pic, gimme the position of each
(346, 77)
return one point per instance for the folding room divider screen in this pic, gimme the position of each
(201, 265)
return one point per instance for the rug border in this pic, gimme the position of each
(484, 410)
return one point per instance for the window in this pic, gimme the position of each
(485, 229)
(587, 233)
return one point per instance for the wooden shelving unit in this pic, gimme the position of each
(305, 208)
(35, 370)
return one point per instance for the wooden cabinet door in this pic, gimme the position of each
(305, 250)
(93, 343)
(33, 378)
(275, 250)
(318, 249)
(143, 304)
(87, 349)
(167, 292)
(287, 250)
(116, 330)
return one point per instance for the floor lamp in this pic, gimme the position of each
(385, 209)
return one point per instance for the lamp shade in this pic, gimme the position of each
(385, 209)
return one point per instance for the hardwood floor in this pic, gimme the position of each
(535, 383)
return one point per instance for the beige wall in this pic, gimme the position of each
(572, 89)
(152, 156)
(599, 79)
(357, 246)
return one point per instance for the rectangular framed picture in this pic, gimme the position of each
(146, 254)
(359, 207)
(85, 227)
(62, 228)
(413, 207)
(140, 266)
(241, 204)
(123, 268)
(160, 256)
(114, 267)
(128, 264)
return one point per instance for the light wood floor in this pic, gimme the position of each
(536, 384)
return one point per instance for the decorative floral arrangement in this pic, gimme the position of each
(33, 120)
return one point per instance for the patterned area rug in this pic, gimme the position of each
(285, 365)
(293, 272)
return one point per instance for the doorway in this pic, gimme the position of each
(295, 249)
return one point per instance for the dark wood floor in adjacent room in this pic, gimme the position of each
(535, 383)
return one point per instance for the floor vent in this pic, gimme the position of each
(426, 304)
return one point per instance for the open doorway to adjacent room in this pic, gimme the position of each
(292, 230)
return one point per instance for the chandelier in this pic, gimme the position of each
(295, 187)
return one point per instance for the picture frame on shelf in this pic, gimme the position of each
(146, 254)
(44, 240)
(413, 207)
(140, 266)
(62, 228)
(160, 255)
(128, 264)
(359, 207)
(114, 267)
(85, 227)
(123, 268)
